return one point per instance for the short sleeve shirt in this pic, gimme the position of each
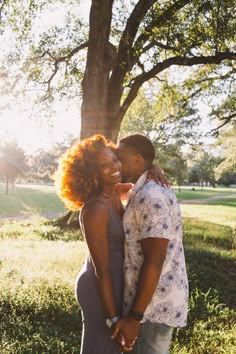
(153, 211)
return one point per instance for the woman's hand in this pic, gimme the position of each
(122, 189)
(157, 174)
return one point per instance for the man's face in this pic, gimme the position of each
(128, 158)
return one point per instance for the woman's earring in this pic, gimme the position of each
(96, 182)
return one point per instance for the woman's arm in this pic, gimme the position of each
(156, 173)
(95, 219)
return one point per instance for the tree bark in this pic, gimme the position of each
(100, 58)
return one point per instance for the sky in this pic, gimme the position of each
(32, 133)
(18, 123)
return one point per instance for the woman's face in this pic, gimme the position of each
(109, 167)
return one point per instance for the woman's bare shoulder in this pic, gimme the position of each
(94, 208)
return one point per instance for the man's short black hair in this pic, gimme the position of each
(141, 144)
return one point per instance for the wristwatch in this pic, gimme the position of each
(138, 316)
(111, 321)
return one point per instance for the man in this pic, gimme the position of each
(156, 285)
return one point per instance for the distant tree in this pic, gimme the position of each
(42, 164)
(177, 168)
(193, 174)
(204, 167)
(12, 162)
(227, 144)
(227, 178)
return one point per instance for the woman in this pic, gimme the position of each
(87, 179)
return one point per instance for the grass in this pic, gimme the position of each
(39, 263)
(219, 212)
(199, 193)
(37, 304)
(29, 200)
(210, 257)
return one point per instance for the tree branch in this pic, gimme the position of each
(126, 54)
(132, 27)
(160, 45)
(159, 67)
(158, 22)
(127, 39)
(58, 60)
(215, 78)
(1, 7)
(226, 120)
(65, 57)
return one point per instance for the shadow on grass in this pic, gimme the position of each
(211, 316)
(231, 202)
(207, 270)
(200, 234)
(50, 330)
(50, 323)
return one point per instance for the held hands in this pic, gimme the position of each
(156, 173)
(125, 331)
(122, 346)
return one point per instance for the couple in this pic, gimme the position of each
(135, 269)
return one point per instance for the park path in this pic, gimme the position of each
(209, 199)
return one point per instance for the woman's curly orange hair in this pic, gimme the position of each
(75, 178)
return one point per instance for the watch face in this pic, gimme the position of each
(108, 322)
(111, 321)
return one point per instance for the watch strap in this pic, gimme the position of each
(111, 321)
(138, 316)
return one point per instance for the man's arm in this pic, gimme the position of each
(154, 251)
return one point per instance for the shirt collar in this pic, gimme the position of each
(140, 182)
(137, 186)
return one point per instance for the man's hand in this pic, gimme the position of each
(129, 328)
(122, 347)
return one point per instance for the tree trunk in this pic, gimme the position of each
(7, 185)
(179, 183)
(95, 115)
(70, 220)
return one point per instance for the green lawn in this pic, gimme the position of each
(222, 212)
(29, 200)
(187, 192)
(41, 199)
(39, 263)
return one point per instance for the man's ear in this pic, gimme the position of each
(138, 159)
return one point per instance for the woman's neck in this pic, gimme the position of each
(110, 190)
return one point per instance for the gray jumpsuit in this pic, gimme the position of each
(96, 336)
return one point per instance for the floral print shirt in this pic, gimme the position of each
(153, 211)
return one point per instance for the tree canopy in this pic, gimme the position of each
(124, 45)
